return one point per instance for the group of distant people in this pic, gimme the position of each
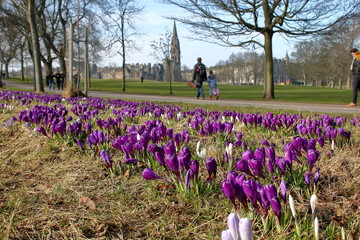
(200, 76)
(59, 83)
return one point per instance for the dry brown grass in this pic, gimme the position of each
(51, 191)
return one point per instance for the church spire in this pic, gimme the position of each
(175, 45)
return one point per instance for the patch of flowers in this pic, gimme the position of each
(256, 160)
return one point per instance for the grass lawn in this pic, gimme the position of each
(285, 93)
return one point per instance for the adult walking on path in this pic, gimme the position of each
(355, 68)
(199, 76)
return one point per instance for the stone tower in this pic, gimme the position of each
(175, 55)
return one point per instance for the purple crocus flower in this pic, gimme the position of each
(276, 206)
(316, 175)
(159, 156)
(130, 160)
(78, 142)
(173, 163)
(283, 190)
(105, 156)
(281, 163)
(312, 156)
(265, 143)
(194, 166)
(270, 191)
(307, 178)
(149, 174)
(250, 190)
(243, 166)
(270, 153)
(42, 131)
(229, 191)
(188, 178)
(211, 167)
(248, 154)
(184, 158)
(256, 166)
(260, 154)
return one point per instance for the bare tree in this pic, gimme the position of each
(119, 22)
(9, 44)
(162, 52)
(254, 23)
(39, 87)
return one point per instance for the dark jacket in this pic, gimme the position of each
(356, 67)
(196, 76)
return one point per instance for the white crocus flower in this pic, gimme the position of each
(316, 228)
(292, 206)
(179, 116)
(233, 224)
(229, 150)
(245, 229)
(226, 235)
(138, 137)
(332, 145)
(313, 202)
(342, 233)
(200, 152)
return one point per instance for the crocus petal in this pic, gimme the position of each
(149, 174)
(226, 235)
(316, 228)
(245, 229)
(233, 224)
(313, 202)
(292, 206)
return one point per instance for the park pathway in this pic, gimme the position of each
(300, 107)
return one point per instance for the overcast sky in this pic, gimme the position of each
(152, 23)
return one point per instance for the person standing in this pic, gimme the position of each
(199, 75)
(211, 80)
(355, 68)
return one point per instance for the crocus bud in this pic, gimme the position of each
(149, 174)
(226, 235)
(194, 166)
(233, 224)
(313, 202)
(292, 206)
(245, 229)
(283, 190)
(211, 167)
(312, 157)
(248, 154)
(316, 228)
(105, 156)
(316, 175)
(243, 166)
(228, 189)
(307, 178)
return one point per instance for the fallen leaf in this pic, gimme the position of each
(87, 202)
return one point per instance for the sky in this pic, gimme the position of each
(152, 24)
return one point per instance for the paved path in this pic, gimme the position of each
(301, 107)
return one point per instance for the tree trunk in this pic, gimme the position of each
(69, 81)
(86, 62)
(123, 50)
(268, 93)
(39, 86)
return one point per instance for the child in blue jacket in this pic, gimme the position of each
(211, 80)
